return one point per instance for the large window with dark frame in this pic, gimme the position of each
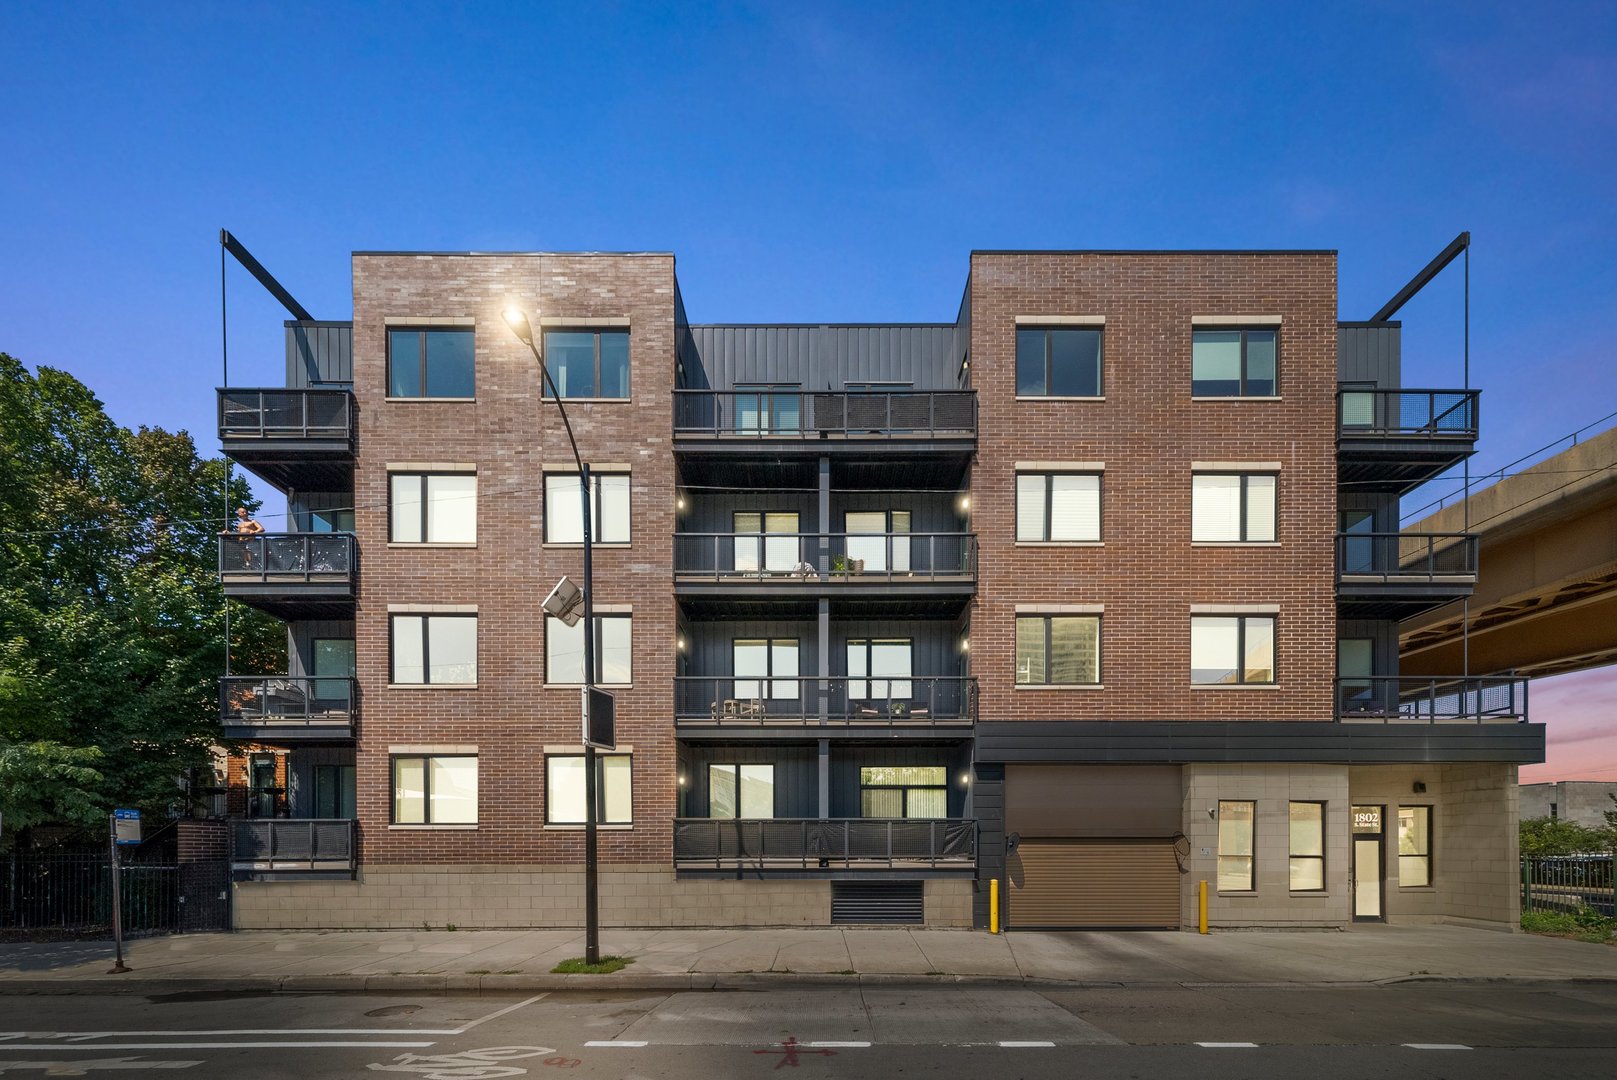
(765, 542)
(564, 511)
(740, 791)
(904, 791)
(768, 408)
(614, 652)
(432, 508)
(564, 789)
(766, 668)
(1233, 363)
(1232, 508)
(437, 789)
(879, 669)
(1307, 846)
(430, 363)
(1058, 362)
(1057, 650)
(1232, 649)
(1235, 823)
(1414, 846)
(434, 649)
(1058, 507)
(588, 363)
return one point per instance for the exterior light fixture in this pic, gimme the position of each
(965, 503)
(679, 502)
(517, 320)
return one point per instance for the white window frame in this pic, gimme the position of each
(423, 506)
(612, 774)
(1201, 525)
(1046, 494)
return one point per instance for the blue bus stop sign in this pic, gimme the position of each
(126, 826)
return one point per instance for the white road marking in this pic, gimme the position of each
(58, 1047)
(84, 1065)
(1228, 1046)
(834, 1045)
(498, 1014)
(1437, 1046)
(631, 1043)
(1012, 1045)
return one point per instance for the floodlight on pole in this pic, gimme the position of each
(565, 602)
(517, 320)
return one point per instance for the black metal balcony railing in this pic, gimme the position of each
(293, 844)
(845, 843)
(1408, 414)
(919, 701)
(1406, 556)
(795, 414)
(286, 700)
(282, 557)
(271, 413)
(1411, 699)
(851, 557)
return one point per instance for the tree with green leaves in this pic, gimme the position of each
(1557, 836)
(112, 622)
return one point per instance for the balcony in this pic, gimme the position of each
(1397, 575)
(858, 844)
(1395, 439)
(1410, 699)
(916, 705)
(808, 565)
(828, 422)
(290, 575)
(294, 438)
(293, 845)
(280, 708)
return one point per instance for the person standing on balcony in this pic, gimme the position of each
(246, 526)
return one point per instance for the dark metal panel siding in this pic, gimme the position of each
(797, 776)
(1369, 354)
(820, 357)
(304, 502)
(930, 511)
(988, 807)
(319, 353)
(301, 636)
(1383, 505)
(934, 651)
(714, 511)
(1384, 653)
(712, 644)
(846, 761)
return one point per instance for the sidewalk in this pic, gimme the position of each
(667, 960)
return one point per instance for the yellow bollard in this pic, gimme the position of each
(1201, 908)
(993, 905)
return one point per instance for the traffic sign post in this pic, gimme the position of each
(123, 831)
(600, 719)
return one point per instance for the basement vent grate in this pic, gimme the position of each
(891, 902)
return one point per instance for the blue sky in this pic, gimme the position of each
(807, 162)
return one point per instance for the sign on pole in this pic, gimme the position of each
(126, 827)
(600, 719)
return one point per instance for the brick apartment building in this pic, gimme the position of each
(1093, 592)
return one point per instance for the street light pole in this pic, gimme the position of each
(518, 322)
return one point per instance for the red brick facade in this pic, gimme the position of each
(511, 715)
(1147, 432)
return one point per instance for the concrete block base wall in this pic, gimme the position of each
(515, 897)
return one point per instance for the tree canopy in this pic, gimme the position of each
(111, 615)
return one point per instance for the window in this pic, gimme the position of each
(1307, 846)
(1356, 684)
(1414, 846)
(1235, 845)
(429, 364)
(1058, 507)
(564, 516)
(435, 790)
(1230, 650)
(334, 791)
(435, 648)
(433, 508)
(588, 363)
(564, 789)
(332, 657)
(1057, 650)
(331, 521)
(1057, 363)
(765, 542)
(766, 409)
(874, 535)
(904, 791)
(879, 669)
(760, 665)
(1232, 507)
(1232, 363)
(741, 791)
(564, 651)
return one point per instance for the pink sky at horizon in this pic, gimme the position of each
(1580, 714)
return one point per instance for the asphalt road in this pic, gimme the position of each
(1405, 1032)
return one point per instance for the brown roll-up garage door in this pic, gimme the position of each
(1094, 883)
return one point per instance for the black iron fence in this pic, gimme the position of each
(71, 895)
(1406, 557)
(1407, 414)
(280, 557)
(921, 700)
(797, 414)
(1412, 699)
(849, 557)
(841, 843)
(281, 700)
(1567, 884)
(278, 413)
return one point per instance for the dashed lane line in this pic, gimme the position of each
(1436, 1046)
(832, 1045)
(1029, 1044)
(1228, 1045)
(100, 1046)
(625, 1043)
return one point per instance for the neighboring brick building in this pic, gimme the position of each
(1093, 592)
